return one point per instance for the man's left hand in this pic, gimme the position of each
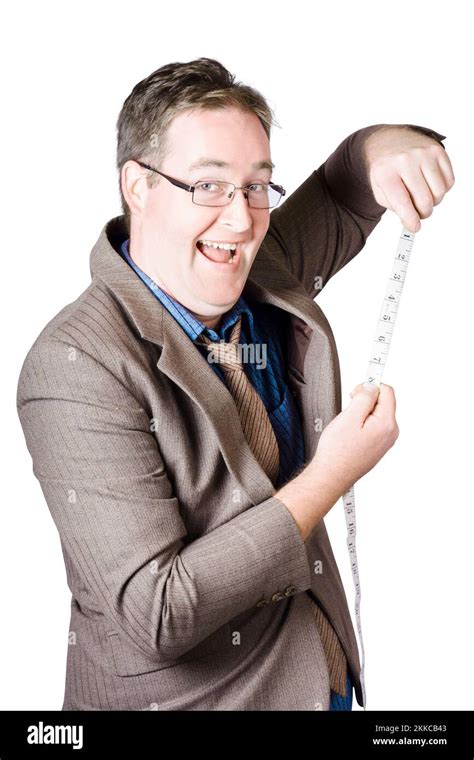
(409, 172)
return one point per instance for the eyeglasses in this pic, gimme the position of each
(217, 193)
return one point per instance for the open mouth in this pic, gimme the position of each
(219, 256)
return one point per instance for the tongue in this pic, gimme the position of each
(216, 254)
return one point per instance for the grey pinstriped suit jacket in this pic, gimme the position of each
(170, 532)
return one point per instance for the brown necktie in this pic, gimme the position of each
(336, 659)
(256, 424)
(261, 438)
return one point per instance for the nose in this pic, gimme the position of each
(236, 214)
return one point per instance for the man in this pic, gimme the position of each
(189, 478)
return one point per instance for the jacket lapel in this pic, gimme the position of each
(181, 361)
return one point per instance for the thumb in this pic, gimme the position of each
(364, 397)
(361, 386)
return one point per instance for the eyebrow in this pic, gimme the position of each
(201, 163)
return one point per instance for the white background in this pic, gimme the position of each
(327, 69)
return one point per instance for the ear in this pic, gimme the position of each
(134, 187)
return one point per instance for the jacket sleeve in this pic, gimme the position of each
(326, 221)
(106, 486)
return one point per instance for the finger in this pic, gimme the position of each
(363, 402)
(420, 192)
(399, 200)
(386, 406)
(357, 389)
(446, 169)
(351, 394)
(435, 179)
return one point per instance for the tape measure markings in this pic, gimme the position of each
(380, 349)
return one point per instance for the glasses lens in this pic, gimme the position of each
(213, 193)
(263, 196)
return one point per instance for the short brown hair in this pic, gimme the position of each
(155, 101)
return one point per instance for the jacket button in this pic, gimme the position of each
(277, 596)
(289, 590)
(261, 603)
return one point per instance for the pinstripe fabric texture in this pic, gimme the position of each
(255, 421)
(261, 328)
(262, 440)
(190, 584)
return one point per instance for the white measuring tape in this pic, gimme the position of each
(378, 359)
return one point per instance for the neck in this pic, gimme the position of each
(211, 322)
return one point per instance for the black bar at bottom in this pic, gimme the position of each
(420, 734)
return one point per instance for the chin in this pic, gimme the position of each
(223, 297)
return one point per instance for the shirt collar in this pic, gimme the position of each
(193, 327)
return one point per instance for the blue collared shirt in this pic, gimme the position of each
(263, 325)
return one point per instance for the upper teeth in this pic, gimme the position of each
(224, 246)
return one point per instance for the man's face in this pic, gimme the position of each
(164, 234)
